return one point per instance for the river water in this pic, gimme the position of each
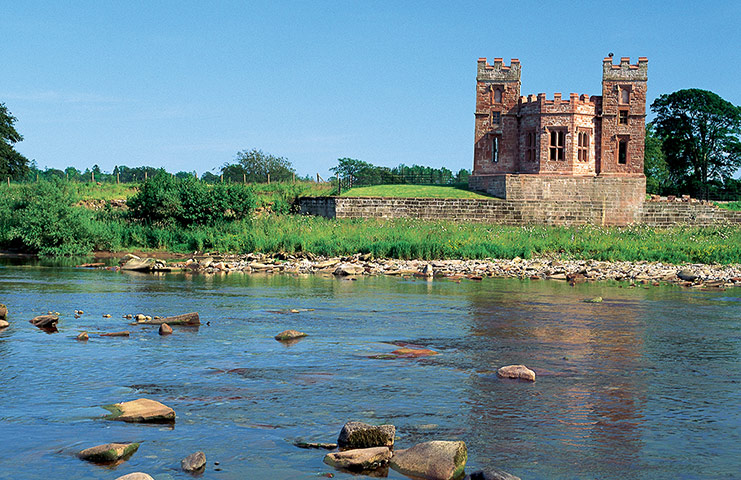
(645, 385)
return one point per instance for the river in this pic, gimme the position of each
(644, 385)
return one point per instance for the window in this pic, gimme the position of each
(623, 117)
(557, 145)
(496, 118)
(583, 146)
(496, 94)
(530, 146)
(624, 95)
(622, 151)
(494, 149)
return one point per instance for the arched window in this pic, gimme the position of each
(497, 95)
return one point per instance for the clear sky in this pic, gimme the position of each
(185, 84)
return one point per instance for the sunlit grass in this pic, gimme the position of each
(412, 191)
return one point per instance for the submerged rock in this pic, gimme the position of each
(349, 269)
(82, 337)
(3, 312)
(4, 324)
(362, 435)
(687, 276)
(406, 352)
(139, 264)
(46, 322)
(516, 371)
(135, 476)
(165, 329)
(436, 460)
(325, 446)
(142, 410)
(359, 459)
(108, 453)
(491, 475)
(125, 333)
(191, 319)
(193, 462)
(289, 335)
(593, 300)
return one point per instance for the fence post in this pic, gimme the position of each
(145, 175)
(8, 181)
(222, 178)
(118, 178)
(339, 185)
(294, 177)
(244, 178)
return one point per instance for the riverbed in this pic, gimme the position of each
(642, 385)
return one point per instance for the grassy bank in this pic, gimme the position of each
(173, 216)
(412, 191)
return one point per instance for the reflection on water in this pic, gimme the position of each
(643, 385)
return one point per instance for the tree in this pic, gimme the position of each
(12, 163)
(255, 166)
(654, 163)
(700, 136)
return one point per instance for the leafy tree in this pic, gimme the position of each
(12, 163)
(700, 135)
(255, 166)
(654, 163)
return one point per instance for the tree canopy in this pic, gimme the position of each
(255, 166)
(700, 137)
(12, 163)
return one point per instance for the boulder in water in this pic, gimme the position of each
(687, 275)
(491, 475)
(4, 324)
(142, 410)
(108, 453)
(190, 319)
(516, 371)
(359, 459)
(45, 322)
(356, 435)
(3, 312)
(287, 335)
(349, 269)
(165, 329)
(83, 337)
(135, 476)
(194, 462)
(436, 460)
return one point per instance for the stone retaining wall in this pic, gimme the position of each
(519, 212)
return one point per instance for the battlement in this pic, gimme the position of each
(625, 70)
(498, 72)
(539, 102)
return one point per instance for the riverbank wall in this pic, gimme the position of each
(658, 214)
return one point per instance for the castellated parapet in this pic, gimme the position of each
(624, 70)
(498, 72)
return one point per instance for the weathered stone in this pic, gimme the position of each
(108, 453)
(4, 324)
(3, 312)
(491, 475)
(687, 275)
(142, 410)
(289, 335)
(190, 319)
(516, 371)
(436, 460)
(124, 333)
(356, 435)
(325, 446)
(45, 321)
(129, 256)
(349, 269)
(140, 318)
(139, 264)
(359, 459)
(406, 352)
(193, 462)
(83, 337)
(135, 476)
(593, 300)
(165, 329)
(427, 270)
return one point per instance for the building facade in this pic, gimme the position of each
(525, 141)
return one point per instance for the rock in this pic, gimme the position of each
(107, 315)
(326, 264)
(427, 271)
(516, 371)
(135, 476)
(194, 462)
(289, 335)
(359, 459)
(4, 324)
(349, 269)
(436, 460)
(142, 410)
(125, 333)
(362, 435)
(184, 319)
(557, 276)
(165, 329)
(325, 446)
(83, 337)
(140, 318)
(48, 322)
(491, 475)
(406, 352)
(3, 312)
(108, 453)
(127, 257)
(139, 264)
(687, 276)
(593, 300)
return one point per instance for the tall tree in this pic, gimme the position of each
(654, 163)
(700, 135)
(255, 166)
(12, 163)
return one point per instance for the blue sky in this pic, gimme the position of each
(185, 85)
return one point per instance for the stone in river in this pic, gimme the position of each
(349, 269)
(406, 352)
(142, 410)
(3, 312)
(325, 446)
(516, 371)
(289, 335)
(362, 435)
(108, 453)
(190, 319)
(83, 337)
(193, 462)
(687, 276)
(491, 475)
(593, 300)
(124, 333)
(359, 459)
(165, 329)
(139, 264)
(436, 460)
(135, 476)
(45, 322)
(4, 324)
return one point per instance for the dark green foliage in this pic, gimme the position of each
(12, 163)
(168, 200)
(654, 164)
(700, 137)
(256, 166)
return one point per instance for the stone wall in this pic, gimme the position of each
(516, 212)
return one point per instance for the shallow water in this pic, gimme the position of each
(643, 385)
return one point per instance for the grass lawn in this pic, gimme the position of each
(412, 191)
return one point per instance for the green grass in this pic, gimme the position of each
(729, 205)
(412, 191)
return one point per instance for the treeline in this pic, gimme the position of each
(353, 172)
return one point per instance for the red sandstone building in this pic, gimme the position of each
(544, 149)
